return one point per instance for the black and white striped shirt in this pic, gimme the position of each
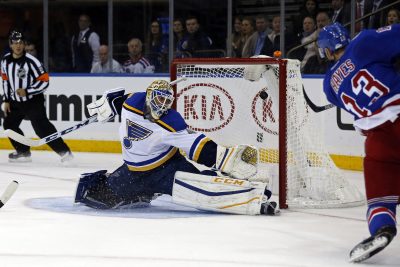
(25, 72)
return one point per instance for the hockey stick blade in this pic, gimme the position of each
(314, 107)
(33, 142)
(10, 190)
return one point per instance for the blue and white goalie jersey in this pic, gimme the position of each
(147, 145)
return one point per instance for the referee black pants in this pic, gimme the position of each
(34, 110)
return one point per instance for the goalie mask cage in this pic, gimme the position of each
(217, 100)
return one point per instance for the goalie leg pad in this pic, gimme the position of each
(93, 191)
(218, 193)
(239, 161)
(88, 181)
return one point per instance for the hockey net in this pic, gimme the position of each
(216, 100)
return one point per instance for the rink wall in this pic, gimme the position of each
(67, 97)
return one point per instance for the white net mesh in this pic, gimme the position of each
(217, 100)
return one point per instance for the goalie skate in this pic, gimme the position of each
(372, 245)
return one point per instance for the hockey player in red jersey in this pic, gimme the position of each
(363, 80)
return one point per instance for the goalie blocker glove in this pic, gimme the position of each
(105, 107)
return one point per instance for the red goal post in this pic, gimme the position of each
(217, 100)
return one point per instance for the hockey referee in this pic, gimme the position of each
(24, 82)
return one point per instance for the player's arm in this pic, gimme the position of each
(40, 77)
(236, 161)
(382, 45)
(6, 89)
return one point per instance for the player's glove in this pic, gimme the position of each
(104, 107)
(254, 72)
(238, 161)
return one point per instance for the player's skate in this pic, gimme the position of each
(67, 158)
(20, 156)
(372, 245)
(269, 207)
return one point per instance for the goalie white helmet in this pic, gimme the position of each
(159, 99)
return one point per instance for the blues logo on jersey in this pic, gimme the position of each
(135, 132)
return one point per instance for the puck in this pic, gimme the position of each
(263, 95)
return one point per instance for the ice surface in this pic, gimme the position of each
(40, 226)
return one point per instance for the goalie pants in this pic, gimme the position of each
(35, 111)
(382, 174)
(129, 184)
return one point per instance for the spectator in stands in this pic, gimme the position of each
(103, 66)
(272, 43)
(310, 8)
(136, 62)
(156, 47)
(340, 12)
(179, 31)
(378, 20)
(30, 48)
(248, 26)
(323, 19)
(256, 41)
(236, 38)
(316, 65)
(85, 46)
(307, 36)
(195, 39)
(393, 16)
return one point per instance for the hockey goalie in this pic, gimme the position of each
(154, 138)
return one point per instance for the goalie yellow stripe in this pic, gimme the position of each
(153, 165)
(135, 110)
(200, 148)
(227, 158)
(164, 125)
(238, 204)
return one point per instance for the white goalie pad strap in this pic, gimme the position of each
(239, 161)
(218, 193)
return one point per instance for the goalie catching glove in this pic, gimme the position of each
(238, 162)
(104, 107)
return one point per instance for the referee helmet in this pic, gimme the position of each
(16, 36)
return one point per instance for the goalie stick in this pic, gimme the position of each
(10, 190)
(34, 142)
(38, 142)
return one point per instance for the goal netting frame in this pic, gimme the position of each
(296, 160)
